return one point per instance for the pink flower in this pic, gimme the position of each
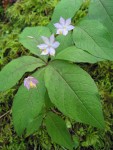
(30, 82)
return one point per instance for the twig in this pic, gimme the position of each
(55, 111)
(5, 114)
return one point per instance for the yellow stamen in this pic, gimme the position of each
(32, 85)
(60, 32)
(45, 50)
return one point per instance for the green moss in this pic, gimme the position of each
(32, 12)
(38, 12)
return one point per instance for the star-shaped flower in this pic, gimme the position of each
(49, 46)
(30, 82)
(64, 26)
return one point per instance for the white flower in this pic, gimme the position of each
(64, 26)
(49, 46)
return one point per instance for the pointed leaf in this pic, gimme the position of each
(48, 103)
(75, 54)
(93, 37)
(14, 70)
(103, 13)
(74, 93)
(57, 130)
(28, 104)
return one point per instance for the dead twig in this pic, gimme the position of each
(5, 114)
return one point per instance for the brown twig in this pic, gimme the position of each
(5, 114)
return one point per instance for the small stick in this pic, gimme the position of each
(5, 114)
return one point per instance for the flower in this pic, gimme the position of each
(30, 82)
(64, 26)
(49, 46)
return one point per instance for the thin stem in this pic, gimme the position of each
(5, 114)
(56, 112)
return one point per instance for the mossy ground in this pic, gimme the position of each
(38, 12)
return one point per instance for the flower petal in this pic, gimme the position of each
(27, 86)
(70, 27)
(56, 44)
(35, 81)
(65, 32)
(68, 21)
(58, 25)
(59, 31)
(45, 39)
(26, 83)
(42, 46)
(52, 51)
(62, 21)
(52, 38)
(45, 52)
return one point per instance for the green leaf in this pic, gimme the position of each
(102, 10)
(74, 93)
(28, 104)
(34, 125)
(57, 130)
(48, 103)
(66, 9)
(75, 54)
(14, 70)
(31, 43)
(65, 41)
(93, 37)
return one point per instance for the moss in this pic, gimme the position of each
(31, 13)
(38, 12)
